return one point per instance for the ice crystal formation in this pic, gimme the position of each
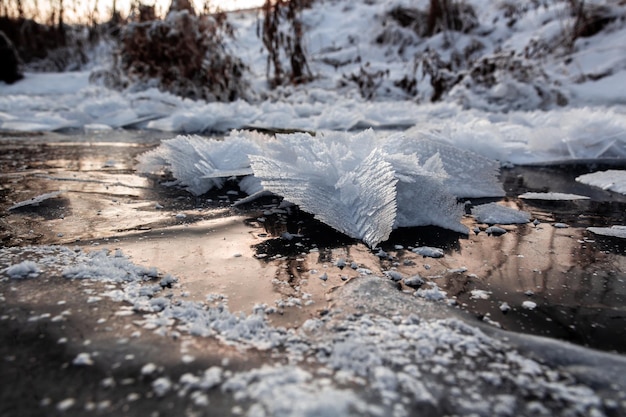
(201, 164)
(362, 184)
(358, 198)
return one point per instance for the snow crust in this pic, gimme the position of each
(378, 352)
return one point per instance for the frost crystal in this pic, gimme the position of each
(359, 184)
(324, 177)
(466, 174)
(200, 164)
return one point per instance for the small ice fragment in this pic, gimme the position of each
(168, 280)
(560, 225)
(428, 251)
(66, 404)
(480, 295)
(148, 369)
(394, 275)
(133, 396)
(610, 180)
(158, 206)
(187, 358)
(434, 293)
(181, 215)
(494, 213)
(495, 231)
(536, 222)
(199, 398)
(529, 305)
(414, 281)
(107, 382)
(83, 359)
(529, 293)
(324, 276)
(161, 386)
(382, 254)
(505, 307)
(35, 200)
(613, 231)
(340, 263)
(552, 196)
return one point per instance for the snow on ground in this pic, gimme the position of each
(377, 351)
(591, 125)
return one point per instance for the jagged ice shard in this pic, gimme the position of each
(324, 178)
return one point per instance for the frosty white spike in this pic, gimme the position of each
(468, 174)
(360, 203)
(200, 164)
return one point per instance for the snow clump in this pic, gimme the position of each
(25, 269)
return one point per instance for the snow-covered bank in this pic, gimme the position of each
(517, 137)
(500, 115)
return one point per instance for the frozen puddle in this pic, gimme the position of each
(155, 298)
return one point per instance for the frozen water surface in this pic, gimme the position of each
(230, 277)
(227, 308)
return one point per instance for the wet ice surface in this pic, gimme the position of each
(134, 340)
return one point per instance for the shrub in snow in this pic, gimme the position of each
(507, 81)
(281, 32)
(442, 15)
(368, 81)
(183, 54)
(590, 18)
